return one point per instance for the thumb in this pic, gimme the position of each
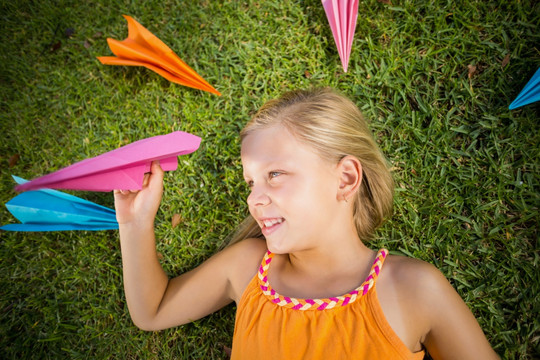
(155, 181)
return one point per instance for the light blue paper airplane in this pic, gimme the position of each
(529, 94)
(52, 210)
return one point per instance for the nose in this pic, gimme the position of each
(257, 197)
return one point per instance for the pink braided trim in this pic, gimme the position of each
(318, 304)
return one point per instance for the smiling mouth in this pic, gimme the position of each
(271, 222)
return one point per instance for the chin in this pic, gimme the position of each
(276, 248)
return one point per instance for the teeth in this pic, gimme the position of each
(268, 223)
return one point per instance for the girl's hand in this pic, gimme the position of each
(140, 207)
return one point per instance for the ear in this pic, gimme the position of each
(350, 177)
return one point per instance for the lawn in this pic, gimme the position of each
(435, 78)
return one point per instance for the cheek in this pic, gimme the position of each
(322, 192)
(308, 199)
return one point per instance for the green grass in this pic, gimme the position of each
(467, 169)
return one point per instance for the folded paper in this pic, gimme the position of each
(529, 94)
(51, 210)
(142, 48)
(342, 15)
(121, 169)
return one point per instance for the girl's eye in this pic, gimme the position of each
(273, 174)
(249, 183)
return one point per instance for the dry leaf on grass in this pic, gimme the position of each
(505, 61)
(13, 160)
(472, 70)
(176, 220)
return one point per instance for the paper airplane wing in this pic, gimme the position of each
(171, 76)
(121, 169)
(58, 227)
(142, 48)
(332, 14)
(352, 16)
(51, 210)
(529, 94)
(342, 16)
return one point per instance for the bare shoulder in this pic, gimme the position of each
(404, 288)
(244, 258)
(421, 282)
(431, 312)
(412, 275)
(248, 251)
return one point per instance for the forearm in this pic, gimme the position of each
(145, 282)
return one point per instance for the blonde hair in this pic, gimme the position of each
(334, 127)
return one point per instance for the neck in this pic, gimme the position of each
(334, 257)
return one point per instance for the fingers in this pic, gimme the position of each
(154, 177)
(156, 168)
(124, 192)
(155, 181)
(145, 180)
(141, 206)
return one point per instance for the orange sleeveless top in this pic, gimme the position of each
(352, 326)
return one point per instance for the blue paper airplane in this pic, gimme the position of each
(52, 210)
(529, 94)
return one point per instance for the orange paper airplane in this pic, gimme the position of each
(142, 48)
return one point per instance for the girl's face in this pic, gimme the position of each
(293, 190)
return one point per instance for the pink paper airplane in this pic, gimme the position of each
(121, 169)
(342, 15)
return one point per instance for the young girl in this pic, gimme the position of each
(305, 284)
